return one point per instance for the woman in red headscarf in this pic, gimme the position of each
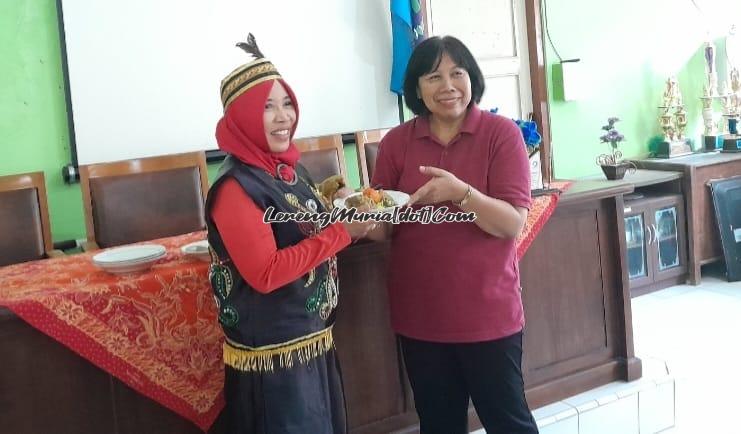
(275, 284)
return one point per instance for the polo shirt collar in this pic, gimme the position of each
(469, 126)
(471, 122)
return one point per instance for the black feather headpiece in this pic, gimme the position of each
(248, 75)
(251, 47)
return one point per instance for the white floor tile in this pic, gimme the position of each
(656, 408)
(557, 410)
(685, 336)
(733, 291)
(693, 329)
(569, 425)
(618, 417)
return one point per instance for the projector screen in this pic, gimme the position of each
(144, 75)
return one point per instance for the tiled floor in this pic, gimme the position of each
(689, 338)
(696, 330)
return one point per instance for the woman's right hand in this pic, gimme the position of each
(358, 230)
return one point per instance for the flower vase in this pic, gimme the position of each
(614, 171)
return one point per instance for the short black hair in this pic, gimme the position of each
(426, 58)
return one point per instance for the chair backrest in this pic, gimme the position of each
(323, 156)
(143, 199)
(367, 144)
(25, 232)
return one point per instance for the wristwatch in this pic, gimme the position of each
(466, 197)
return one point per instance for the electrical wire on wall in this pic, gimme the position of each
(698, 8)
(704, 19)
(544, 5)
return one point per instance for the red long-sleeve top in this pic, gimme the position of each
(252, 247)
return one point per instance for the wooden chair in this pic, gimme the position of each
(25, 232)
(367, 143)
(323, 156)
(143, 199)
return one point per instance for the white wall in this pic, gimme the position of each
(144, 75)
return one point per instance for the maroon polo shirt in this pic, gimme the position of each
(453, 282)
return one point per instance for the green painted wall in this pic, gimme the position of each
(33, 119)
(628, 49)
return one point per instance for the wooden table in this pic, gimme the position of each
(578, 336)
(149, 346)
(698, 169)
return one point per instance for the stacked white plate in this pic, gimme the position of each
(128, 259)
(197, 250)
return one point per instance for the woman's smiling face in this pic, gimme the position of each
(279, 118)
(446, 91)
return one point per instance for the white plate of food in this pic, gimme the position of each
(372, 200)
(128, 259)
(198, 250)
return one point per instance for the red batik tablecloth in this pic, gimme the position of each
(540, 212)
(156, 331)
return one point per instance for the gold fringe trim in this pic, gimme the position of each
(263, 359)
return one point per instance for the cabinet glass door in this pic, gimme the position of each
(667, 237)
(635, 246)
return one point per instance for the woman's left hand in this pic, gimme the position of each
(443, 187)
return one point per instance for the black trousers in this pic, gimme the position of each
(444, 376)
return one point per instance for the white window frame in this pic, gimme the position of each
(517, 65)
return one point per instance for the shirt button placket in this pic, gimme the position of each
(443, 156)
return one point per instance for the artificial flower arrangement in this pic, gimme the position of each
(612, 164)
(613, 137)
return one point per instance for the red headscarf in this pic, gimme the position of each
(241, 132)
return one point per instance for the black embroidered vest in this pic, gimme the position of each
(301, 308)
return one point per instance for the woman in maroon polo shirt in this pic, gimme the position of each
(454, 288)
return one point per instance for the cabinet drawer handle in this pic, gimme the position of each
(656, 233)
(648, 234)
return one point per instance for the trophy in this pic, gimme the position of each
(712, 75)
(673, 121)
(732, 111)
(712, 137)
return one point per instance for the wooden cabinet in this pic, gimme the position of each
(656, 252)
(697, 169)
